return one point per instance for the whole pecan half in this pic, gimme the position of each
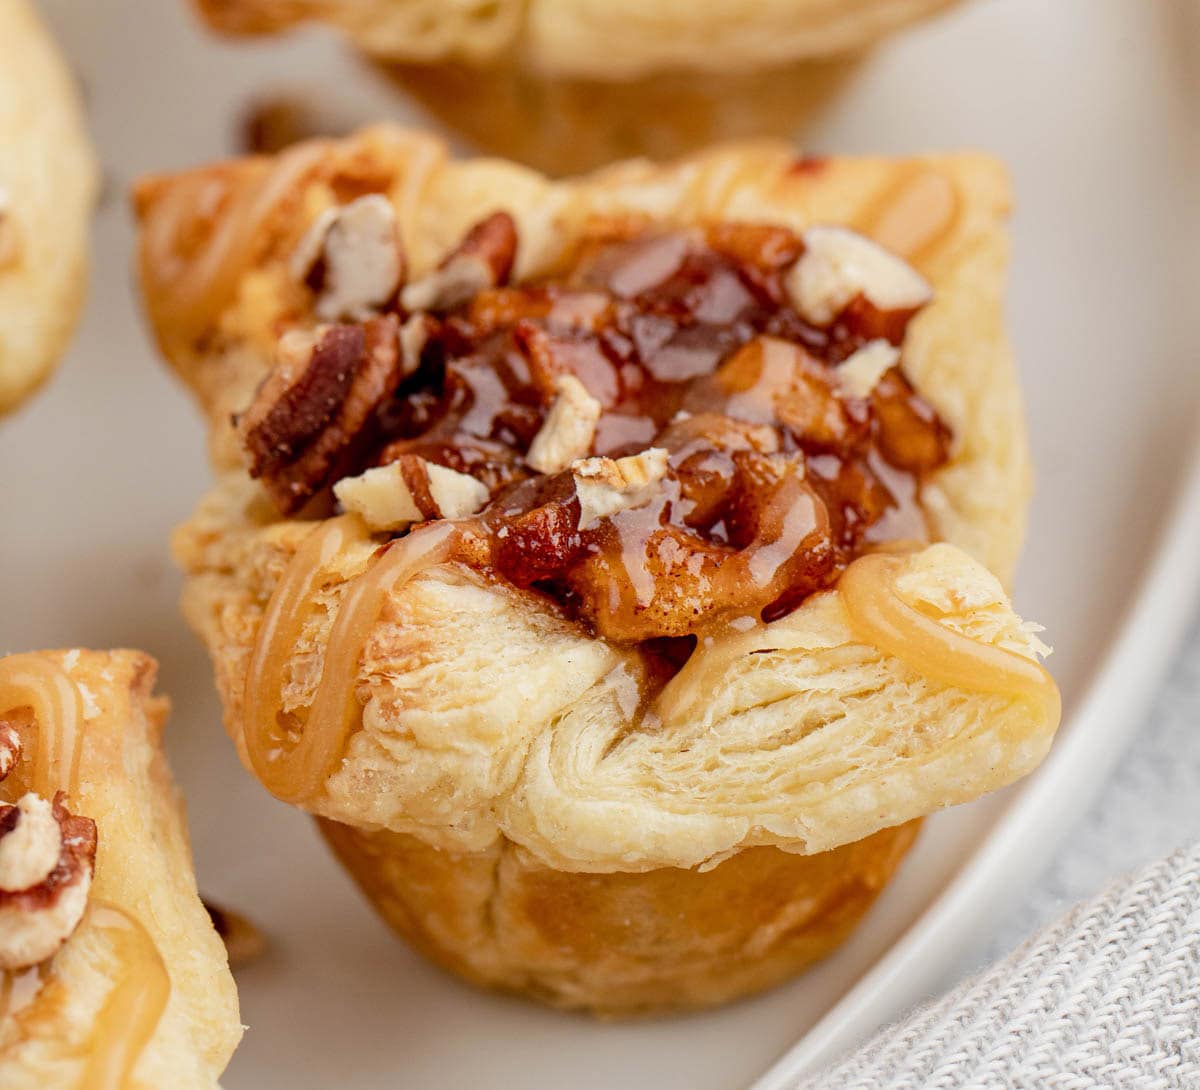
(315, 410)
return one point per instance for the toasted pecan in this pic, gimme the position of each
(37, 918)
(483, 259)
(314, 411)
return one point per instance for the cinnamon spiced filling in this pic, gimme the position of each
(790, 447)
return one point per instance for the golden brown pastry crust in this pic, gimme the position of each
(489, 723)
(143, 867)
(47, 184)
(620, 943)
(606, 39)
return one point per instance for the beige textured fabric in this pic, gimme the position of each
(1109, 996)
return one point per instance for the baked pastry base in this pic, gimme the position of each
(620, 944)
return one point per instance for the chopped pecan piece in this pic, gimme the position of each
(839, 266)
(607, 485)
(314, 411)
(47, 856)
(859, 374)
(409, 490)
(415, 334)
(243, 941)
(569, 429)
(352, 258)
(484, 259)
(275, 122)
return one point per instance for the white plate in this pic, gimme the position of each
(1087, 100)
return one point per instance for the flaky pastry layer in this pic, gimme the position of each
(487, 714)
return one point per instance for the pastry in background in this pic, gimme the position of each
(568, 85)
(565, 125)
(597, 39)
(47, 186)
(614, 566)
(112, 974)
(570, 124)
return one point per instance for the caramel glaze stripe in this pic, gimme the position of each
(130, 1013)
(33, 681)
(912, 215)
(135, 1005)
(296, 773)
(880, 618)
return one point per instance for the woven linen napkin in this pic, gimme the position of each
(1109, 996)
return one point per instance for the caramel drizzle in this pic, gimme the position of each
(882, 619)
(913, 214)
(34, 682)
(186, 292)
(131, 1013)
(296, 773)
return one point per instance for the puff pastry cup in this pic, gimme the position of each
(503, 763)
(113, 976)
(604, 39)
(47, 185)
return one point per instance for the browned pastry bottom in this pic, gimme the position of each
(620, 943)
(565, 126)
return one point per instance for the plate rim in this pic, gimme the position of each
(1111, 708)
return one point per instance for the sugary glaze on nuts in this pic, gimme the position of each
(762, 376)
